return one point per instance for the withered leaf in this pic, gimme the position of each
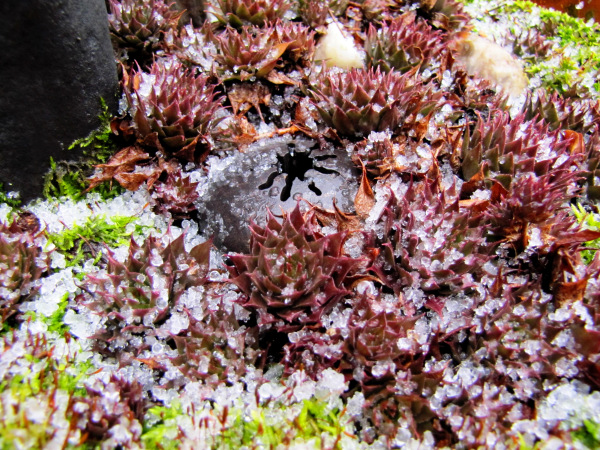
(365, 199)
(569, 292)
(151, 362)
(120, 163)
(337, 218)
(245, 96)
(577, 145)
(271, 62)
(276, 77)
(474, 183)
(133, 180)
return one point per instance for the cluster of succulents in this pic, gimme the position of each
(256, 52)
(457, 305)
(506, 149)
(22, 263)
(176, 195)
(428, 243)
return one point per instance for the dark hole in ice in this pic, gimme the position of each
(294, 165)
(273, 174)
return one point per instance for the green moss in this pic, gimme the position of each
(576, 54)
(592, 222)
(588, 435)
(84, 241)
(313, 423)
(55, 322)
(569, 29)
(10, 200)
(70, 179)
(160, 427)
(33, 389)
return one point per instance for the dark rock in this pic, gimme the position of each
(243, 186)
(57, 62)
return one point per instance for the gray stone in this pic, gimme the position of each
(243, 186)
(57, 62)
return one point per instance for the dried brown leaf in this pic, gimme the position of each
(245, 96)
(577, 145)
(122, 162)
(365, 199)
(276, 77)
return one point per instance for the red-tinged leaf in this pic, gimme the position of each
(474, 183)
(188, 153)
(587, 339)
(476, 205)
(245, 96)
(578, 237)
(122, 162)
(137, 79)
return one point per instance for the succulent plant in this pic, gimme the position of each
(294, 273)
(473, 98)
(140, 293)
(358, 102)
(447, 15)
(378, 157)
(382, 156)
(137, 27)
(508, 149)
(246, 53)
(383, 357)
(562, 113)
(313, 352)
(299, 41)
(535, 211)
(176, 195)
(313, 12)
(22, 262)
(373, 337)
(428, 246)
(215, 348)
(402, 44)
(173, 109)
(112, 412)
(239, 13)
(531, 44)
